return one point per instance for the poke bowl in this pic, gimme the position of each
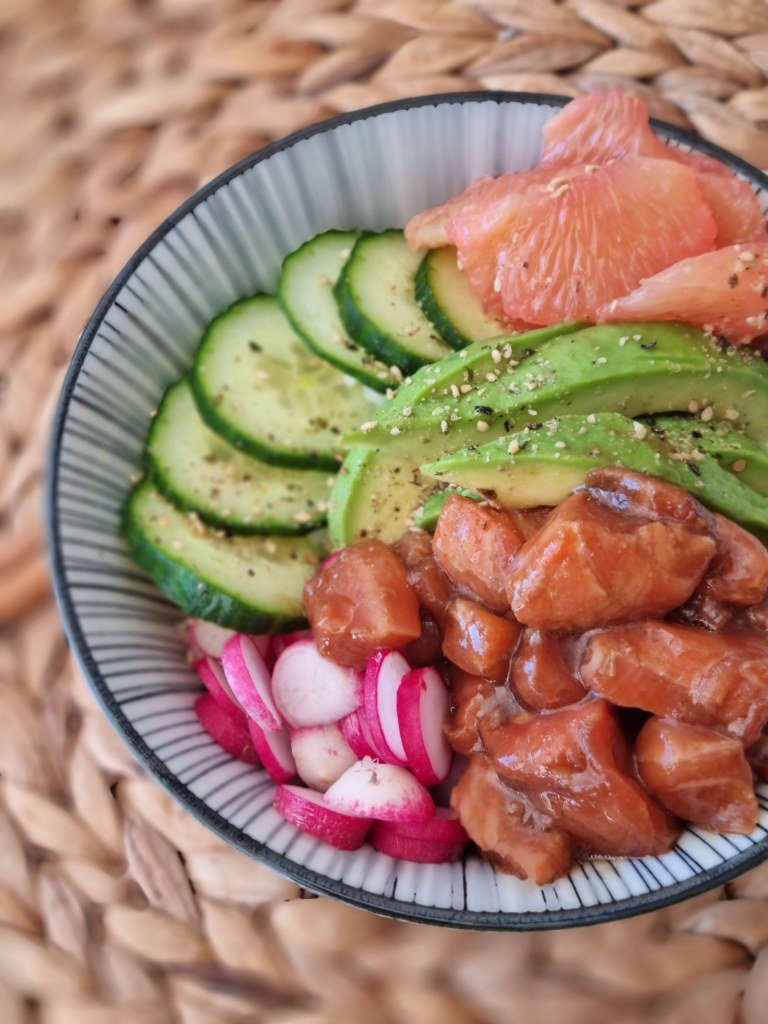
(276, 364)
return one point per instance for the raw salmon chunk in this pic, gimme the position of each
(542, 676)
(718, 680)
(470, 695)
(624, 490)
(512, 836)
(474, 545)
(361, 602)
(566, 578)
(478, 641)
(575, 764)
(698, 774)
(739, 571)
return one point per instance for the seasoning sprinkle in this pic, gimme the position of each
(482, 426)
(739, 465)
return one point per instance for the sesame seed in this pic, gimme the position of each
(455, 391)
(408, 410)
(591, 418)
(507, 351)
(301, 517)
(739, 465)
(693, 405)
(482, 426)
(396, 372)
(591, 168)
(532, 412)
(623, 340)
(637, 337)
(370, 425)
(395, 431)
(601, 361)
(496, 355)
(746, 257)
(444, 426)
(497, 283)
(491, 377)
(560, 444)
(465, 389)
(707, 414)
(640, 431)
(731, 413)
(514, 447)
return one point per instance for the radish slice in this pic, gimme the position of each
(441, 794)
(388, 840)
(281, 641)
(228, 727)
(423, 705)
(305, 809)
(311, 690)
(263, 645)
(445, 827)
(212, 677)
(383, 676)
(248, 676)
(322, 754)
(355, 731)
(208, 638)
(384, 791)
(274, 749)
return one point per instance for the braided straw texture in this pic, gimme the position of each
(115, 906)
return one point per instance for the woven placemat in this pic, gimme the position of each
(115, 906)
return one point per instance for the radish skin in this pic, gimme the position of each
(312, 690)
(445, 827)
(383, 675)
(305, 809)
(211, 675)
(227, 727)
(354, 729)
(274, 749)
(282, 641)
(248, 677)
(386, 792)
(419, 851)
(208, 638)
(423, 705)
(321, 754)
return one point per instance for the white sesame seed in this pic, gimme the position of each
(491, 377)
(731, 413)
(693, 405)
(532, 412)
(514, 447)
(465, 389)
(408, 410)
(482, 426)
(591, 418)
(454, 391)
(739, 465)
(370, 425)
(640, 431)
(395, 431)
(623, 340)
(444, 426)
(560, 444)
(496, 355)
(707, 414)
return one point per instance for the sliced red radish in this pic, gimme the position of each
(383, 675)
(311, 690)
(208, 638)
(388, 792)
(248, 677)
(441, 794)
(281, 641)
(305, 809)
(228, 727)
(322, 754)
(387, 839)
(274, 749)
(263, 646)
(445, 827)
(423, 705)
(212, 677)
(355, 731)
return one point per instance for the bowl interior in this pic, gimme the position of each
(369, 170)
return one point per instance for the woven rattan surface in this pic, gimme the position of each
(115, 906)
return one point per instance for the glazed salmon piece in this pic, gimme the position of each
(575, 764)
(507, 830)
(360, 602)
(702, 611)
(739, 571)
(431, 586)
(757, 616)
(697, 774)
(427, 649)
(478, 641)
(623, 490)
(757, 755)
(470, 695)
(542, 676)
(412, 547)
(590, 565)
(474, 546)
(718, 680)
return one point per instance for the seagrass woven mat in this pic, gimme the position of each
(115, 906)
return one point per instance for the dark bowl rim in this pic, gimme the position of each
(309, 879)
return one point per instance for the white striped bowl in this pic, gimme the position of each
(370, 169)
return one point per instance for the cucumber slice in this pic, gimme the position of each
(444, 293)
(375, 293)
(199, 472)
(251, 584)
(257, 386)
(306, 294)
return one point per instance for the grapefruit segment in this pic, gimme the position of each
(427, 230)
(557, 245)
(725, 291)
(732, 200)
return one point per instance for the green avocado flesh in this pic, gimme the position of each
(542, 466)
(633, 369)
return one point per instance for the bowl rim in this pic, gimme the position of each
(317, 882)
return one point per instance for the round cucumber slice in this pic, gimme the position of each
(251, 584)
(257, 385)
(444, 293)
(200, 472)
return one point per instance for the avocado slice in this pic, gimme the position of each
(433, 506)
(633, 369)
(733, 450)
(541, 464)
(433, 382)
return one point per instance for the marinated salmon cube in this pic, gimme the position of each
(542, 674)
(703, 611)
(575, 764)
(757, 756)
(511, 834)
(529, 520)
(360, 602)
(478, 641)
(413, 546)
(591, 566)
(428, 648)
(431, 586)
(697, 774)
(470, 696)
(739, 571)
(757, 617)
(718, 680)
(474, 545)
(640, 494)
